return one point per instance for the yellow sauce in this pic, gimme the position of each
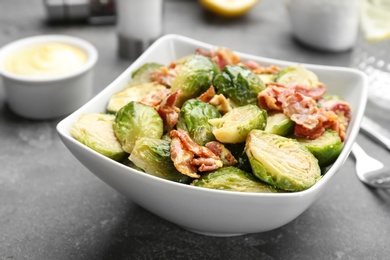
(46, 60)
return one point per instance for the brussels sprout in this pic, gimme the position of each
(280, 124)
(142, 74)
(239, 84)
(267, 78)
(184, 59)
(134, 121)
(96, 131)
(232, 179)
(136, 93)
(282, 162)
(194, 78)
(153, 156)
(297, 75)
(325, 148)
(234, 126)
(193, 118)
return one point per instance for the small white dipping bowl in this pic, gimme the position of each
(50, 96)
(207, 211)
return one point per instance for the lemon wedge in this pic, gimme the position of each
(228, 8)
(375, 20)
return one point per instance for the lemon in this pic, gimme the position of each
(228, 8)
(375, 19)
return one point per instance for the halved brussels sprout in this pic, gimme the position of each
(325, 148)
(267, 78)
(282, 162)
(96, 131)
(136, 93)
(193, 118)
(297, 75)
(279, 124)
(194, 78)
(134, 121)
(142, 74)
(239, 84)
(234, 126)
(233, 179)
(184, 59)
(153, 156)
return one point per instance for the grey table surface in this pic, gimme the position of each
(52, 207)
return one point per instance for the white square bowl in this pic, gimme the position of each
(207, 211)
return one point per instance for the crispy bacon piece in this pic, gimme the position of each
(218, 101)
(340, 107)
(302, 110)
(273, 96)
(311, 121)
(168, 111)
(221, 56)
(164, 76)
(186, 155)
(222, 152)
(298, 102)
(343, 111)
(182, 159)
(155, 96)
(257, 69)
(315, 93)
(207, 95)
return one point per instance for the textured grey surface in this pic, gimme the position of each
(52, 207)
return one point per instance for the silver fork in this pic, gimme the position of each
(369, 170)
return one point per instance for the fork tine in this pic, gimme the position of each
(369, 170)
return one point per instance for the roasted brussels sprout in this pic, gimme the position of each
(298, 75)
(136, 93)
(234, 126)
(134, 121)
(267, 78)
(239, 84)
(282, 162)
(279, 123)
(194, 78)
(153, 156)
(193, 118)
(96, 131)
(325, 148)
(233, 179)
(142, 74)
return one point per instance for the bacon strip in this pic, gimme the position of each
(311, 121)
(343, 111)
(182, 159)
(257, 69)
(221, 56)
(222, 152)
(168, 111)
(187, 155)
(155, 96)
(273, 97)
(299, 104)
(164, 76)
(315, 93)
(207, 95)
